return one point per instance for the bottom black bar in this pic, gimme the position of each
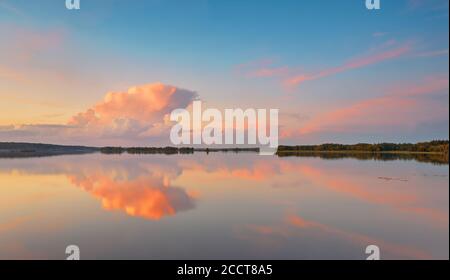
(227, 269)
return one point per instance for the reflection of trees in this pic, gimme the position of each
(421, 157)
(146, 150)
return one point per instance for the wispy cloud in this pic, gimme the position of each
(21, 55)
(7, 73)
(268, 72)
(14, 223)
(401, 107)
(5, 5)
(379, 34)
(433, 53)
(291, 78)
(355, 63)
(26, 43)
(264, 68)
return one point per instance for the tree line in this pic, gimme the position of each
(436, 146)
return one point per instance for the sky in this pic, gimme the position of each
(111, 72)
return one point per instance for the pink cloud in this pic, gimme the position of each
(134, 112)
(350, 65)
(429, 85)
(148, 103)
(24, 54)
(25, 43)
(261, 69)
(403, 106)
(7, 73)
(268, 72)
(134, 116)
(14, 223)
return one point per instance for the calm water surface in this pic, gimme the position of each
(222, 206)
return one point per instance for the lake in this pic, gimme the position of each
(222, 206)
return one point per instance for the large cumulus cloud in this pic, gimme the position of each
(137, 116)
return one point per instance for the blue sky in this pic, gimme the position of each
(239, 53)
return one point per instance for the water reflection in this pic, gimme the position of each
(295, 226)
(140, 189)
(225, 205)
(435, 158)
(147, 197)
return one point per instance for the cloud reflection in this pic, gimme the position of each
(344, 205)
(146, 197)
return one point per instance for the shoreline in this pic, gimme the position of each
(359, 152)
(433, 148)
